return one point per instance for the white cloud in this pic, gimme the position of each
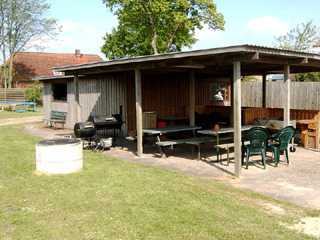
(69, 25)
(86, 36)
(268, 24)
(207, 38)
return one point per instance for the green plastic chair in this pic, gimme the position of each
(258, 139)
(280, 143)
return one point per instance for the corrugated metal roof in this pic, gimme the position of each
(204, 52)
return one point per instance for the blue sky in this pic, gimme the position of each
(85, 22)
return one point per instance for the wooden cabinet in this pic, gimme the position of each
(310, 132)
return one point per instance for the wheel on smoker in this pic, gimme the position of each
(293, 149)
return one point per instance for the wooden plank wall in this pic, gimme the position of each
(62, 106)
(304, 95)
(103, 95)
(46, 100)
(168, 94)
(71, 114)
(164, 94)
(12, 95)
(252, 114)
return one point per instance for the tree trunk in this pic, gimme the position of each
(10, 71)
(154, 43)
(4, 67)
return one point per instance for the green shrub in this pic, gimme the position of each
(34, 94)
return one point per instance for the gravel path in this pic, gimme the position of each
(22, 120)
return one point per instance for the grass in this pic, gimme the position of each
(9, 114)
(114, 199)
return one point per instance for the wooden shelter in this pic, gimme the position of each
(172, 84)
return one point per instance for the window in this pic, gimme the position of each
(59, 91)
(220, 92)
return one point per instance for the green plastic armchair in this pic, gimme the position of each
(280, 143)
(258, 138)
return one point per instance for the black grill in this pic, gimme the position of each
(84, 130)
(104, 123)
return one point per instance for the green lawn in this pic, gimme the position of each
(114, 199)
(8, 114)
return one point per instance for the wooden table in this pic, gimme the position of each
(157, 132)
(223, 131)
(170, 129)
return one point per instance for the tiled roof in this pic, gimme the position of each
(29, 65)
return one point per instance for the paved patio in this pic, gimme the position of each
(298, 182)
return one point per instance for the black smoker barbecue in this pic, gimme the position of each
(105, 123)
(95, 131)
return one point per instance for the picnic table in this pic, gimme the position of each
(224, 146)
(223, 131)
(170, 129)
(157, 132)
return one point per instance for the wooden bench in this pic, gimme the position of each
(226, 147)
(57, 117)
(169, 143)
(197, 142)
(194, 141)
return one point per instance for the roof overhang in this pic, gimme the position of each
(254, 59)
(48, 78)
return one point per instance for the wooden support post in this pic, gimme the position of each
(77, 107)
(192, 99)
(264, 90)
(139, 112)
(231, 101)
(237, 116)
(286, 102)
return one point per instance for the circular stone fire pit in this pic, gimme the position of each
(59, 156)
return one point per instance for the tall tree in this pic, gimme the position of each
(157, 26)
(23, 24)
(303, 37)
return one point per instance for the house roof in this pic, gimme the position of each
(255, 58)
(29, 65)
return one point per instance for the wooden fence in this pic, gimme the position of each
(12, 95)
(304, 95)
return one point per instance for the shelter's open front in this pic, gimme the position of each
(187, 91)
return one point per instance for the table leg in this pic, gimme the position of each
(228, 155)
(161, 150)
(218, 149)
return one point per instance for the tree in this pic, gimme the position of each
(34, 93)
(23, 24)
(157, 26)
(303, 37)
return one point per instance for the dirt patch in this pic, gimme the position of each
(309, 226)
(42, 131)
(272, 208)
(22, 120)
